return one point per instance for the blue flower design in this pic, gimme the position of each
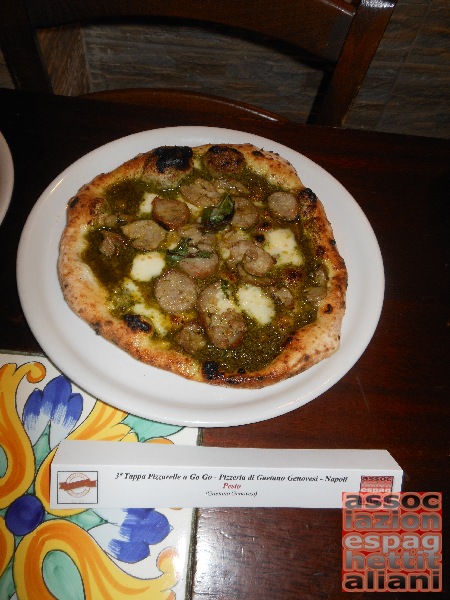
(130, 532)
(55, 404)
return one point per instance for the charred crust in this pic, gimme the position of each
(74, 202)
(224, 159)
(172, 157)
(135, 323)
(328, 309)
(219, 150)
(232, 380)
(211, 373)
(332, 242)
(308, 194)
(211, 369)
(257, 153)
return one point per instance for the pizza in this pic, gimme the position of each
(212, 262)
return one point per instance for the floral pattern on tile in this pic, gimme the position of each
(82, 553)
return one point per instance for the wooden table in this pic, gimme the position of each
(395, 397)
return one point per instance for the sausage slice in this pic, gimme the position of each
(170, 213)
(175, 292)
(284, 205)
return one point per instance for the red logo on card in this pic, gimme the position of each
(77, 484)
(76, 487)
(376, 483)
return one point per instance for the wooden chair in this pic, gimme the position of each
(345, 34)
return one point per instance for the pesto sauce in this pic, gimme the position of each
(125, 197)
(108, 270)
(268, 341)
(259, 187)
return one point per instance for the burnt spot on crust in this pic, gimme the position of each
(232, 381)
(172, 157)
(257, 153)
(211, 369)
(168, 165)
(308, 194)
(135, 323)
(224, 160)
(74, 202)
(211, 373)
(328, 309)
(332, 242)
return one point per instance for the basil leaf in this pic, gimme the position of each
(225, 286)
(183, 250)
(216, 217)
(202, 254)
(180, 252)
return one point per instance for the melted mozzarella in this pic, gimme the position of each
(223, 303)
(256, 304)
(159, 320)
(146, 204)
(147, 266)
(282, 245)
(225, 252)
(195, 210)
(132, 289)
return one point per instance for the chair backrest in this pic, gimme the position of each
(343, 33)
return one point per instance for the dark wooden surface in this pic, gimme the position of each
(395, 397)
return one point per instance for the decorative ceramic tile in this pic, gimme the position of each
(78, 554)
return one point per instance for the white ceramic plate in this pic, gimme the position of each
(113, 376)
(6, 177)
